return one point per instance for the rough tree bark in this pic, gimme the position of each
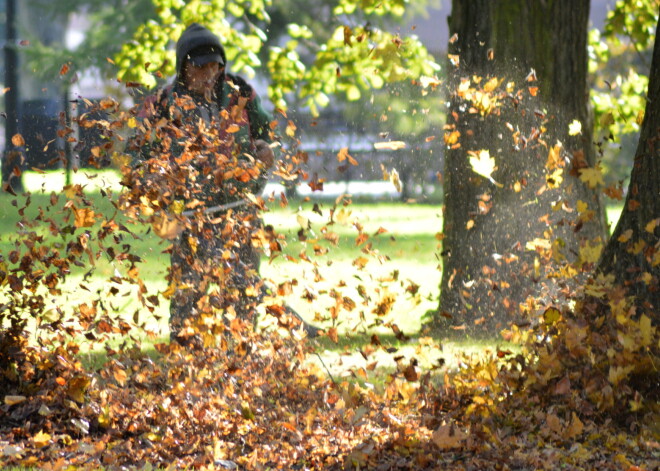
(632, 254)
(491, 271)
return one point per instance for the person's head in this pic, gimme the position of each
(200, 59)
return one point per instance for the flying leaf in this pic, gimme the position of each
(592, 176)
(651, 225)
(625, 236)
(394, 178)
(554, 157)
(344, 155)
(84, 217)
(332, 334)
(483, 164)
(492, 84)
(451, 138)
(551, 315)
(575, 128)
(390, 145)
(18, 140)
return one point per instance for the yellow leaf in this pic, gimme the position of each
(482, 163)
(394, 178)
(592, 176)
(538, 244)
(575, 128)
(555, 179)
(290, 129)
(646, 277)
(651, 225)
(618, 373)
(131, 123)
(646, 329)
(590, 253)
(551, 315)
(582, 207)
(554, 157)
(451, 138)
(625, 237)
(41, 439)
(71, 191)
(386, 174)
(491, 85)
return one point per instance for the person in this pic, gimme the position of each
(207, 148)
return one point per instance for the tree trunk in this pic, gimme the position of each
(509, 240)
(633, 252)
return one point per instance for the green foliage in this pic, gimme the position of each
(635, 20)
(619, 62)
(341, 48)
(348, 62)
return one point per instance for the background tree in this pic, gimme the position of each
(519, 206)
(632, 256)
(620, 58)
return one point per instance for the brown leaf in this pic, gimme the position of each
(447, 437)
(563, 386)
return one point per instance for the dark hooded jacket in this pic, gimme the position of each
(193, 37)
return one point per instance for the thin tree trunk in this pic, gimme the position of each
(633, 252)
(491, 272)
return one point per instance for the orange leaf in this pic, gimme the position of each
(84, 217)
(18, 140)
(332, 334)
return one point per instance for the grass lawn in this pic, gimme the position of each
(390, 277)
